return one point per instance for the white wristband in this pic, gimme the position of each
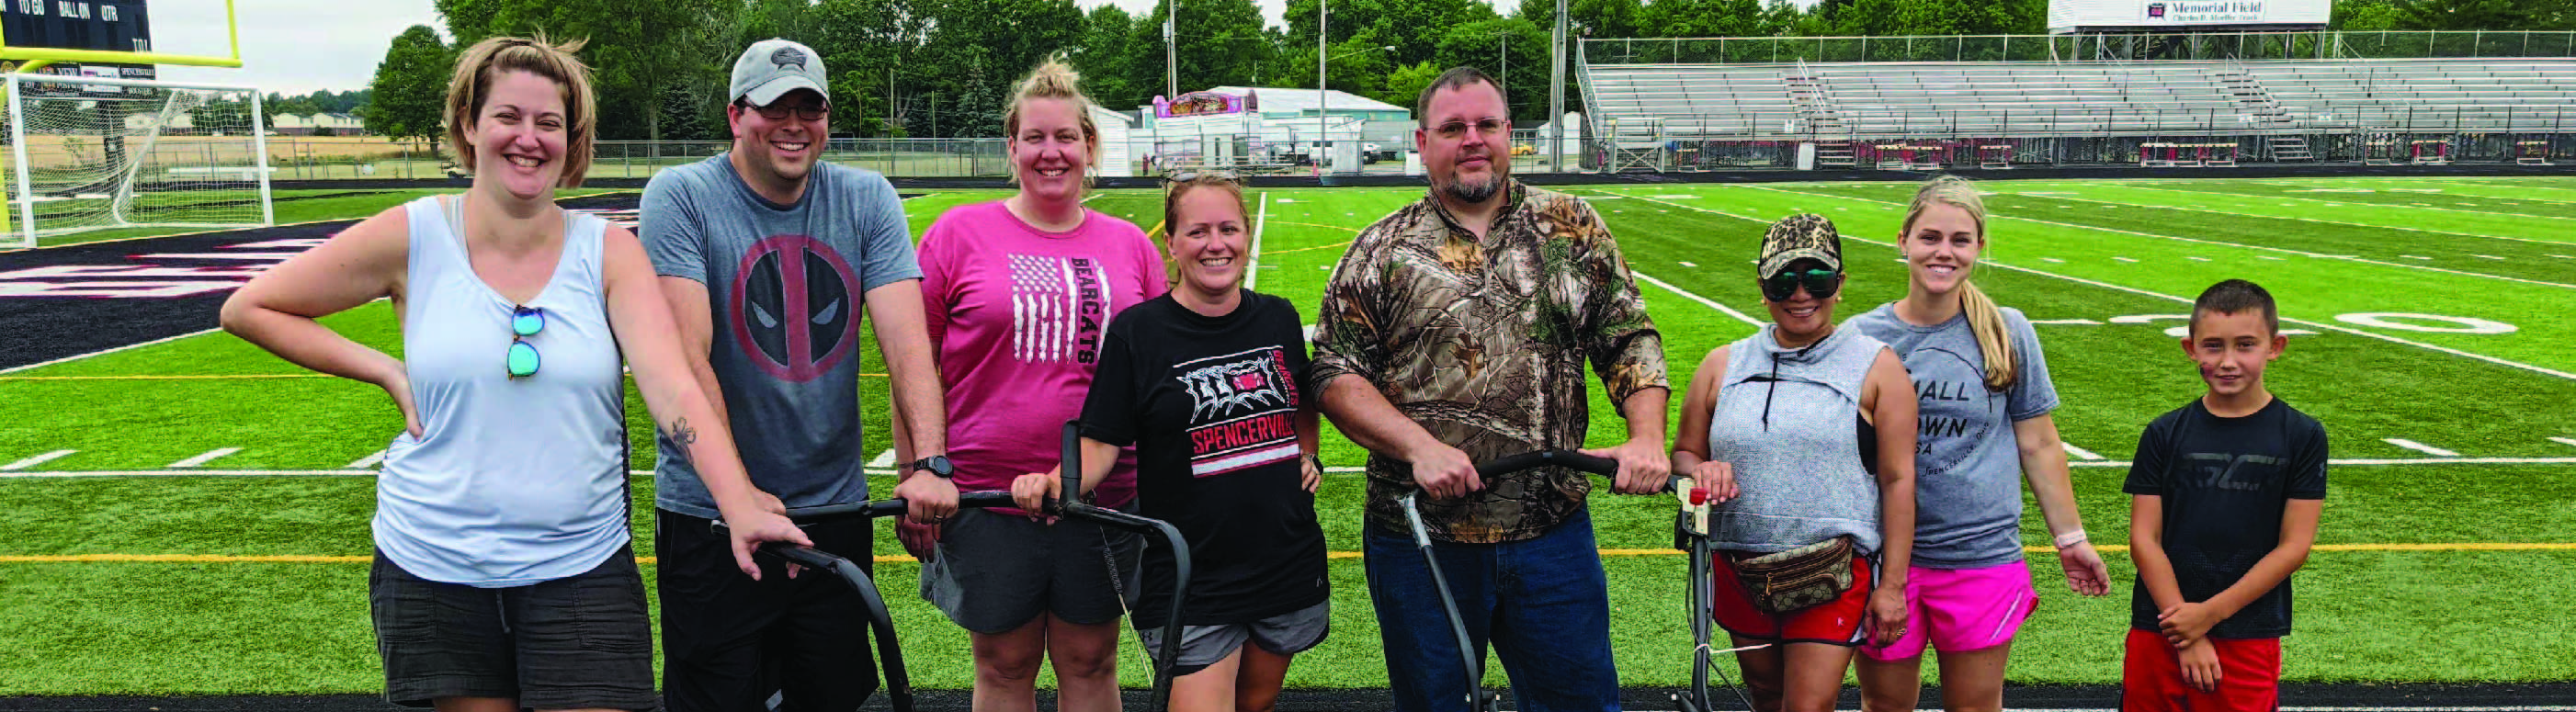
(2071, 538)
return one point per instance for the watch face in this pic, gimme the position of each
(936, 464)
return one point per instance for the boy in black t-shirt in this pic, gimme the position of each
(2226, 492)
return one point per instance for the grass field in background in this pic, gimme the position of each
(2428, 311)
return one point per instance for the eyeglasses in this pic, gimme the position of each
(1187, 176)
(1456, 129)
(524, 322)
(780, 111)
(1820, 283)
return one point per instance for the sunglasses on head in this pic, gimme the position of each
(1187, 176)
(524, 322)
(1820, 283)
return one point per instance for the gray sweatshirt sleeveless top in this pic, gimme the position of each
(514, 481)
(1785, 419)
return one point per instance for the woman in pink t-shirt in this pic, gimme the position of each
(1018, 292)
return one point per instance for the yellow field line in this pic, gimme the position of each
(1311, 249)
(900, 559)
(1307, 224)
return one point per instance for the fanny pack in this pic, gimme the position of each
(1793, 580)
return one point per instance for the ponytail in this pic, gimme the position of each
(1986, 320)
(2003, 367)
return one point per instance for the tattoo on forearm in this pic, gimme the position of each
(680, 432)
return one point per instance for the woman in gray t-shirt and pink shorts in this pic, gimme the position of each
(1984, 421)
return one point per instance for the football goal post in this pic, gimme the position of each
(98, 153)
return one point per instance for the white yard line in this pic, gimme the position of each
(2077, 452)
(204, 457)
(366, 462)
(1739, 316)
(37, 460)
(104, 352)
(2313, 200)
(2273, 217)
(2419, 447)
(2168, 297)
(883, 459)
(1250, 274)
(2266, 248)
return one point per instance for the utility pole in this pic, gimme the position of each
(1321, 99)
(1556, 96)
(1171, 53)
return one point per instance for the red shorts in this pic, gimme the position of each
(2249, 676)
(1835, 622)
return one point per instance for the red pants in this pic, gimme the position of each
(2249, 677)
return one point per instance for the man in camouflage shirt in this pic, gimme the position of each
(1456, 330)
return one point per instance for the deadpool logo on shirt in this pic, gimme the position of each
(792, 308)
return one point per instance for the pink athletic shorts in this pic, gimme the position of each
(1958, 610)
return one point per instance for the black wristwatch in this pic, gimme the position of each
(936, 465)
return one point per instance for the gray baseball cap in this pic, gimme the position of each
(773, 67)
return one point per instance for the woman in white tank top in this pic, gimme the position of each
(503, 576)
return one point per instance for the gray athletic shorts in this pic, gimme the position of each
(993, 572)
(1204, 645)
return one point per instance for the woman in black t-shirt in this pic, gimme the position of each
(1205, 381)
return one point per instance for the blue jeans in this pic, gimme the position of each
(1543, 604)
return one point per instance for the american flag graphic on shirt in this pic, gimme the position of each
(1058, 307)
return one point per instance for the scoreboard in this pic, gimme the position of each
(103, 25)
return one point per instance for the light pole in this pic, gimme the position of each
(1323, 98)
(1171, 60)
(1556, 93)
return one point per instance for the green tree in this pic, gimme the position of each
(1215, 43)
(409, 94)
(635, 49)
(785, 19)
(2485, 14)
(215, 115)
(1407, 83)
(1413, 27)
(1599, 19)
(863, 40)
(1496, 46)
(1106, 58)
(2364, 16)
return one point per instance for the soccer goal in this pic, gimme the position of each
(96, 153)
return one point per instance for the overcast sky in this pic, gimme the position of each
(299, 46)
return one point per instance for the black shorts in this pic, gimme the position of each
(578, 642)
(995, 572)
(729, 641)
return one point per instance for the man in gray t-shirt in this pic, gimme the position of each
(767, 256)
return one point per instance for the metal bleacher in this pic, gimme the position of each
(1978, 106)
(2424, 96)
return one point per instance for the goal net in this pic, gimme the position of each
(94, 153)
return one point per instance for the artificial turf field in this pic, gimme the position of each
(2432, 334)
